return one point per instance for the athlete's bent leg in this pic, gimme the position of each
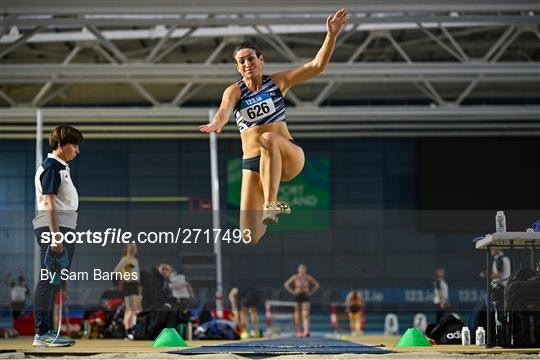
(281, 160)
(271, 163)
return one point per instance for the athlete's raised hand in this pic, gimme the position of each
(336, 23)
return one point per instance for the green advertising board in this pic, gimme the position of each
(308, 195)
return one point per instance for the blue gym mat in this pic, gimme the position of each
(316, 345)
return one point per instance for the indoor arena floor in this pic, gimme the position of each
(21, 348)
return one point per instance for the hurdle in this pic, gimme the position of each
(270, 317)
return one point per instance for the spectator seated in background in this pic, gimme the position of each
(156, 290)
(160, 309)
(183, 293)
(181, 289)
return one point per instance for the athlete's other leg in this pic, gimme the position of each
(137, 306)
(305, 314)
(130, 314)
(251, 204)
(298, 318)
(255, 320)
(243, 322)
(281, 160)
(359, 322)
(354, 323)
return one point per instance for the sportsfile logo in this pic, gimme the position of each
(454, 335)
(119, 236)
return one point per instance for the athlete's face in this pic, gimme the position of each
(440, 273)
(248, 64)
(132, 249)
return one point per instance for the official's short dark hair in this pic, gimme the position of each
(64, 134)
(247, 45)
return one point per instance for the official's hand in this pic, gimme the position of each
(59, 248)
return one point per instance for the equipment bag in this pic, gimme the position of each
(522, 309)
(447, 331)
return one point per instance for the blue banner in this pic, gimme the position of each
(415, 295)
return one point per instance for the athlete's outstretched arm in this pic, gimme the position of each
(230, 97)
(287, 79)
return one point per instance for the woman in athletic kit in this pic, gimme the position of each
(130, 288)
(301, 292)
(270, 154)
(354, 305)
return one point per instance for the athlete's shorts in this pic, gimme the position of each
(130, 288)
(254, 163)
(251, 298)
(355, 309)
(301, 298)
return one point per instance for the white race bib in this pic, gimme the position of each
(257, 107)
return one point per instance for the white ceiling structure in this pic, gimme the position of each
(152, 69)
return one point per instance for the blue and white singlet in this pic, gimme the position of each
(259, 107)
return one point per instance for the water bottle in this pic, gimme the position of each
(480, 336)
(465, 336)
(500, 222)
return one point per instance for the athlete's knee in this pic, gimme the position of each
(268, 140)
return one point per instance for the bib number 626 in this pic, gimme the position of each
(258, 110)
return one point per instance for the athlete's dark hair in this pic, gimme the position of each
(65, 134)
(247, 45)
